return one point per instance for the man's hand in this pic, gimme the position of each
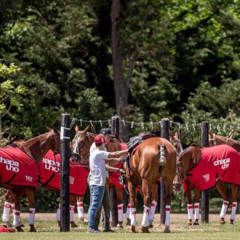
(122, 171)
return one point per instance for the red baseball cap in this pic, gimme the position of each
(99, 139)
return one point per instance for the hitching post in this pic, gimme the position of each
(205, 194)
(64, 178)
(112, 191)
(165, 129)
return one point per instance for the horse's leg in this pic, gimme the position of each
(189, 206)
(153, 203)
(6, 209)
(168, 190)
(16, 216)
(119, 194)
(127, 214)
(196, 205)
(58, 215)
(72, 202)
(146, 188)
(223, 192)
(234, 189)
(80, 208)
(133, 209)
(30, 197)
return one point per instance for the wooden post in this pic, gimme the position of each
(64, 177)
(205, 194)
(165, 133)
(112, 191)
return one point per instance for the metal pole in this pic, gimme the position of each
(112, 191)
(64, 178)
(165, 133)
(205, 194)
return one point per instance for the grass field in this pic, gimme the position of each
(49, 230)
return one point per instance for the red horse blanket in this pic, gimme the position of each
(50, 177)
(115, 176)
(17, 168)
(218, 163)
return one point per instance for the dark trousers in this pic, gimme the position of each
(105, 208)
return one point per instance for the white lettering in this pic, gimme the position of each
(223, 162)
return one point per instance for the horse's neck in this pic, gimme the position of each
(37, 147)
(113, 146)
(193, 156)
(231, 142)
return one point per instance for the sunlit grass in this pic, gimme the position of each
(180, 230)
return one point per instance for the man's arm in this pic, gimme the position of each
(113, 169)
(117, 154)
(113, 161)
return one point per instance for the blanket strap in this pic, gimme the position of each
(9, 181)
(52, 176)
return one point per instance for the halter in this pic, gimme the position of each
(180, 167)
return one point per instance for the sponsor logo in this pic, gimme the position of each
(223, 162)
(206, 177)
(51, 165)
(29, 179)
(10, 164)
(71, 180)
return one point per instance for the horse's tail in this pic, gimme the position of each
(162, 150)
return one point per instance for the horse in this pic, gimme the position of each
(154, 158)
(218, 140)
(34, 150)
(223, 157)
(81, 144)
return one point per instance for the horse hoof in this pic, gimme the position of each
(73, 225)
(19, 229)
(132, 230)
(189, 222)
(33, 230)
(128, 222)
(59, 224)
(195, 223)
(150, 226)
(119, 225)
(231, 221)
(222, 221)
(167, 229)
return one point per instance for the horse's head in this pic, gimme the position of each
(80, 145)
(176, 142)
(56, 144)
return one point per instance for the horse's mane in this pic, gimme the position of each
(196, 144)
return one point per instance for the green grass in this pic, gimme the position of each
(180, 231)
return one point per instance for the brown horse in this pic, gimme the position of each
(154, 158)
(218, 140)
(81, 145)
(35, 148)
(187, 162)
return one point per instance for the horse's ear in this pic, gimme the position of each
(76, 129)
(56, 131)
(48, 128)
(85, 130)
(176, 135)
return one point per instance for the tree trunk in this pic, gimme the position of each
(120, 88)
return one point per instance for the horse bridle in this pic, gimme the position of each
(86, 138)
(181, 172)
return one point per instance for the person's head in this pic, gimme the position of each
(106, 132)
(99, 141)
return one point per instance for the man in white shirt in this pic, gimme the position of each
(98, 174)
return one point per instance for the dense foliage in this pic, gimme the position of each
(184, 53)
